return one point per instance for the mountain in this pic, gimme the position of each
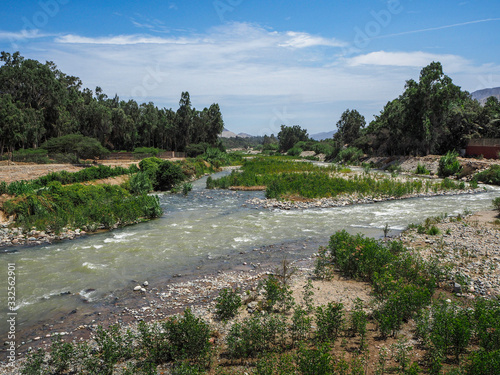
(321, 136)
(482, 95)
(229, 134)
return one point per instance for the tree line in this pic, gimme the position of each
(431, 116)
(38, 102)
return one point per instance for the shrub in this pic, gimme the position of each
(227, 304)
(421, 169)
(496, 203)
(484, 363)
(301, 325)
(255, 335)
(186, 188)
(349, 155)
(140, 183)
(82, 147)
(294, 151)
(449, 164)
(277, 295)
(315, 361)
(150, 151)
(490, 176)
(168, 175)
(195, 149)
(329, 322)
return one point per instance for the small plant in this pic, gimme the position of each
(433, 231)
(386, 230)
(315, 361)
(421, 169)
(449, 164)
(61, 355)
(358, 322)
(400, 353)
(308, 296)
(277, 295)
(227, 304)
(329, 322)
(186, 188)
(301, 325)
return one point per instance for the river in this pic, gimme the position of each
(204, 229)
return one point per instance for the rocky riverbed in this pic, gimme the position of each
(347, 200)
(469, 247)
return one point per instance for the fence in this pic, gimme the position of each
(487, 147)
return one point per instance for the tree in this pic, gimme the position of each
(12, 125)
(290, 135)
(349, 126)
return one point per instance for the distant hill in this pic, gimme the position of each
(482, 95)
(321, 136)
(229, 134)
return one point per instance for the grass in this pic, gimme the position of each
(290, 178)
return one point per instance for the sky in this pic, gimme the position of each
(265, 62)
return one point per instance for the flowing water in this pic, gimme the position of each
(206, 227)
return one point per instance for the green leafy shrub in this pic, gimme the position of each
(496, 203)
(140, 183)
(484, 363)
(168, 175)
(489, 176)
(449, 164)
(82, 147)
(315, 361)
(294, 151)
(277, 295)
(227, 304)
(349, 155)
(301, 325)
(421, 169)
(329, 322)
(256, 335)
(195, 149)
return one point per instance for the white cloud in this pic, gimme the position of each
(19, 35)
(251, 71)
(452, 63)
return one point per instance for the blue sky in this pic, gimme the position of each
(265, 62)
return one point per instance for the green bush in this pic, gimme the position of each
(256, 335)
(315, 361)
(168, 175)
(349, 155)
(82, 147)
(294, 151)
(421, 169)
(277, 295)
(449, 164)
(496, 203)
(483, 363)
(329, 322)
(195, 149)
(489, 176)
(227, 304)
(301, 325)
(140, 183)
(150, 151)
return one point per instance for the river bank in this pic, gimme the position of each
(475, 235)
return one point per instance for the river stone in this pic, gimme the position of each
(137, 288)
(145, 283)
(457, 288)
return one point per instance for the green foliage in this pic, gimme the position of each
(349, 155)
(285, 178)
(277, 295)
(433, 231)
(77, 144)
(168, 175)
(487, 322)
(329, 322)
(77, 206)
(112, 346)
(484, 363)
(256, 335)
(349, 126)
(294, 151)
(34, 364)
(186, 188)
(449, 164)
(61, 355)
(140, 183)
(275, 364)
(315, 361)
(290, 135)
(489, 176)
(301, 325)
(194, 150)
(227, 304)
(421, 169)
(31, 155)
(358, 256)
(149, 151)
(358, 322)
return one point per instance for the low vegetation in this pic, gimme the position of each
(285, 178)
(285, 337)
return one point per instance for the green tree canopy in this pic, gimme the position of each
(290, 135)
(349, 126)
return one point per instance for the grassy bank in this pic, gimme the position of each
(285, 178)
